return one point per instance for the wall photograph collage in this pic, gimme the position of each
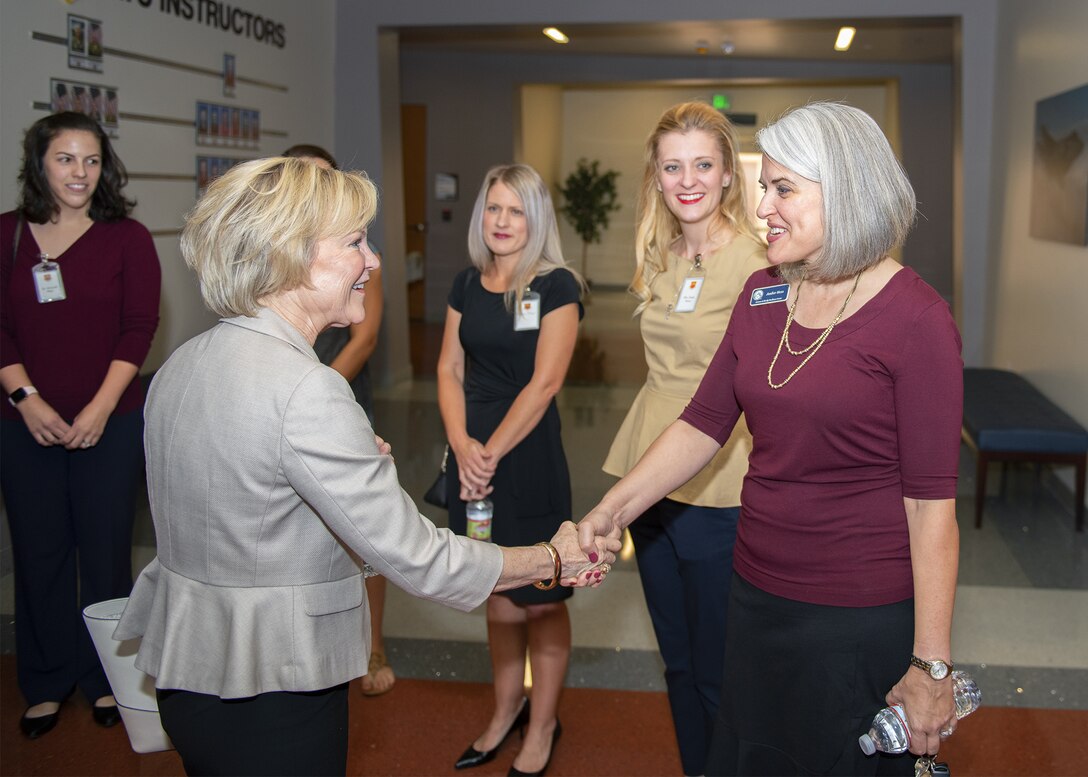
(217, 125)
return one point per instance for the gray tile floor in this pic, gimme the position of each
(1022, 604)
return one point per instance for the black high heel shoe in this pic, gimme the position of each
(515, 772)
(473, 757)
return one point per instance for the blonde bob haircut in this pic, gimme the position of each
(657, 227)
(869, 203)
(543, 252)
(254, 232)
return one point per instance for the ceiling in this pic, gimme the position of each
(928, 40)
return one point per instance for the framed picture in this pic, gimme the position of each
(84, 43)
(445, 187)
(228, 75)
(1059, 175)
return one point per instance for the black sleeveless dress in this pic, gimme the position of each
(532, 482)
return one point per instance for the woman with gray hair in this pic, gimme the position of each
(847, 367)
(267, 486)
(511, 326)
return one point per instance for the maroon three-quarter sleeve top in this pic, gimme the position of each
(872, 418)
(112, 280)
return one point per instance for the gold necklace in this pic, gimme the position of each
(814, 346)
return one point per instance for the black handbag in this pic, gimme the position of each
(436, 494)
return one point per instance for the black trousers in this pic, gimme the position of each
(685, 562)
(71, 515)
(277, 733)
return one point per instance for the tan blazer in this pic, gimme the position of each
(266, 489)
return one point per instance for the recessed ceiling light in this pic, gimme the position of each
(701, 47)
(728, 47)
(556, 34)
(846, 37)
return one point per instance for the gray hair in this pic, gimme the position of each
(869, 204)
(543, 251)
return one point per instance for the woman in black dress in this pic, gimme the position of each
(498, 374)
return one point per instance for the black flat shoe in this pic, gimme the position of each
(39, 726)
(106, 717)
(515, 772)
(473, 757)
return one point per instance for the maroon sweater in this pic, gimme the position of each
(111, 278)
(872, 418)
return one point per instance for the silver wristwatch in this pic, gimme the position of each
(936, 668)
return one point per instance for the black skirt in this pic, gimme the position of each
(803, 681)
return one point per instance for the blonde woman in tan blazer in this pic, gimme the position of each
(267, 486)
(695, 248)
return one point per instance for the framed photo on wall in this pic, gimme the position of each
(84, 43)
(445, 187)
(229, 77)
(1059, 175)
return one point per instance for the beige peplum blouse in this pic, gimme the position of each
(679, 347)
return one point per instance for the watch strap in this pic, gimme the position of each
(20, 394)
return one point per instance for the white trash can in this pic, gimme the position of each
(133, 690)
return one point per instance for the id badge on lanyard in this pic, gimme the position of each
(528, 314)
(48, 283)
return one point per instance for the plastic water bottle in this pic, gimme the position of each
(479, 513)
(890, 733)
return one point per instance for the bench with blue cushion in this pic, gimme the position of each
(1005, 418)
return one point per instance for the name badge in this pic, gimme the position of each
(689, 294)
(528, 315)
(769, 294)
(48, 284)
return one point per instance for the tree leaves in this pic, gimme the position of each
(589, 196)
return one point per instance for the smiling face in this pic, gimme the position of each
(793, 207)
(691, 175)
(72, 165)
(340, 268)
(506, 229)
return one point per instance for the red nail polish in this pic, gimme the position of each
(593, 557)
(597, 575)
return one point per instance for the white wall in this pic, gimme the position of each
(1038, 314)
(301, 113)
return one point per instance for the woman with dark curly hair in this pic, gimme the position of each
(79, 304)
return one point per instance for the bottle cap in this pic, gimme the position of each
(868, 746)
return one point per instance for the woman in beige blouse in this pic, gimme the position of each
(695, 247)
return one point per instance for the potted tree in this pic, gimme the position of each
(589, 196)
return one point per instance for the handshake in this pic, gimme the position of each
(588, 549)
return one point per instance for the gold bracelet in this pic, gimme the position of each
(547, 585)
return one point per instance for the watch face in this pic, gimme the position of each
(938, 670)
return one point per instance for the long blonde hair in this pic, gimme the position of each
(658, 228)
(543, 251)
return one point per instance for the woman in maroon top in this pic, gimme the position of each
(847, 368)
(73, 334)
